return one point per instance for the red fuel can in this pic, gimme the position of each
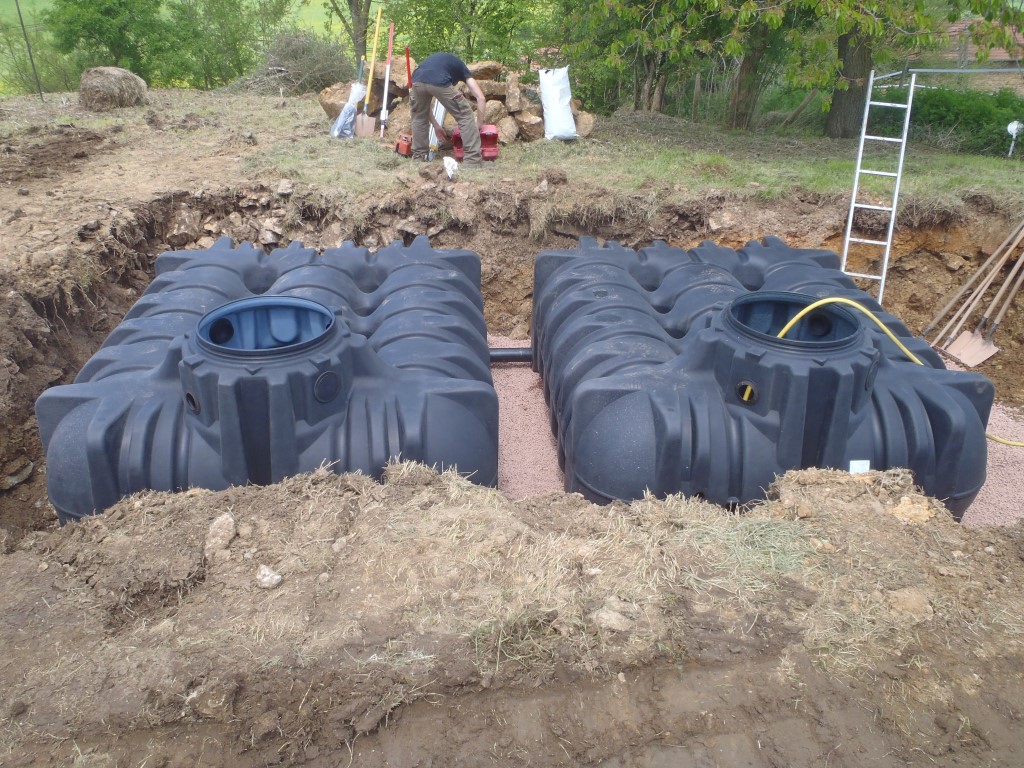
(404, 145)
(457, 148)
(488, 143)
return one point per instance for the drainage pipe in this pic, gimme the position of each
(511, 354)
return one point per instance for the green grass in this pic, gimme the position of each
(29, 9)
(634, 155)
(313, 16)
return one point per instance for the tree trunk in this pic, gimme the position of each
(658, 100)
(645, 93)
(356, 21)
(747, 89)
(846, 114)
(696, 98)
(799, 110)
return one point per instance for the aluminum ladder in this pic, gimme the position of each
(896, 175)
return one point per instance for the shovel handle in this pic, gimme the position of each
(373, 60)
(408, 66)
(960, 317)
(997, 254)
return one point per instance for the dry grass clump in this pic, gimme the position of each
(104, 88)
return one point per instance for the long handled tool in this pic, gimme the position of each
(956, 322)
(404, 144)
(996, 254)
(387, 81)
(364, 123)
(976, 347)
(988, 271)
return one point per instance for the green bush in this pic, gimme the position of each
(956, 120)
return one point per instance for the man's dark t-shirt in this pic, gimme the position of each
(441, 69)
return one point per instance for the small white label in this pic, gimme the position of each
(860, 466)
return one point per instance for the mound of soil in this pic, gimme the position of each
(428, 618)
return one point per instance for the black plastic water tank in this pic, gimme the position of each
(664, 373)
(239, 367)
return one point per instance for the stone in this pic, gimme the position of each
(914, 509)
(513, 94)
(492, 89)
(584, 124)
(531, 127)
(16, 473)
(333, 98)
(606, 618)
(185, 228)
(486, 70)
(493, 112)
(219, 537)
(508, 130)
(268, 578)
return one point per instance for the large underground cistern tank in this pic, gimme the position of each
(664, 371)
(238, 366)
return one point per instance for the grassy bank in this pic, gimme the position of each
(630, 154)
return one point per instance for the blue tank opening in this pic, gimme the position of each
(766, 314)
(264, 324)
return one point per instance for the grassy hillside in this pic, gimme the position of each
(29, 9)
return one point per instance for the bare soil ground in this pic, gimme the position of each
(424, 621)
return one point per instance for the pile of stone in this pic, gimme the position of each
(511, 105)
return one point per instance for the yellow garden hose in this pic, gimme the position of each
(849, 302)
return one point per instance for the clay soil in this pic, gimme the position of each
(845, 621)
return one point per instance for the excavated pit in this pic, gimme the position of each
(65, 301)
(862, 636)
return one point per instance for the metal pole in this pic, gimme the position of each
(28, 45)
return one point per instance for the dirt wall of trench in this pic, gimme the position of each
(59, 303)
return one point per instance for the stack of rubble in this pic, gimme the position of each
(512, 106)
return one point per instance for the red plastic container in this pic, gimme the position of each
(460, 153)
(488, 143)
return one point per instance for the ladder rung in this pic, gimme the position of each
(884, 138)
(867, 207)
(886, 104)
(867, 242)
(878, 173)
(865, 277)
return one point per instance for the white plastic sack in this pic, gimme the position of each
(555, 97)
(345, 126)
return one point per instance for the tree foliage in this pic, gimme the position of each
(216, 41)
(649, 41)
(473, 29)
(201, 43)
(124, 33)
(354, 16)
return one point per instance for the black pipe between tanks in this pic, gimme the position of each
(511, 354)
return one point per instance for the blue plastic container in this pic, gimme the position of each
(241, 367)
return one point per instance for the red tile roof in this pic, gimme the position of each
(964, 51)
